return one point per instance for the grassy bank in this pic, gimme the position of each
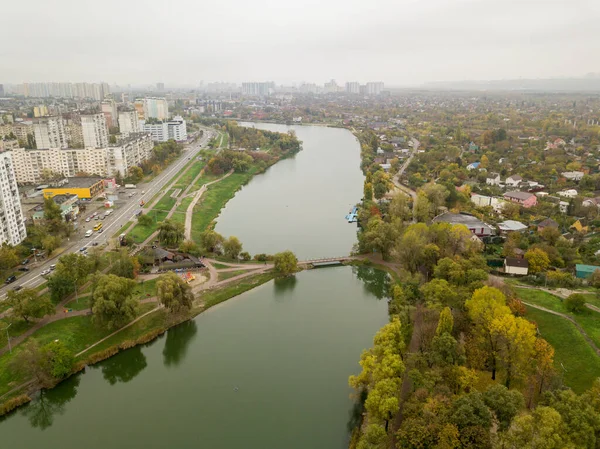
(580, 362)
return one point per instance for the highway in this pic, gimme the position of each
(118, 218)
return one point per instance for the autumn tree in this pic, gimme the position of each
(537, 259)
(124, 265)
(8, 257)
(232, 247)
(286, 263)
(26, 304)
(46, 363)
(368, 191)
(211, 241)
(112, 300)
(541, 429)
(170, 232)
(174, 293)
(445, 323)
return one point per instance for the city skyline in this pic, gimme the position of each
(400, 43)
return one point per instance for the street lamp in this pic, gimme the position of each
(34, 254)
(8, 337)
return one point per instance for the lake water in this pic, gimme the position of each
(267, 369)
(300, 203)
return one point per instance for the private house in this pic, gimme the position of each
(547, 223)
(511, 226)
(473, 147)
(585, 271)
(473, 224)
(69, 208)
(513, 181)
(493, 179)
(473, 166)
(589, 202)
(483, 201)
(525, 199)
(569, 193)
(573, 175)
(518, 267)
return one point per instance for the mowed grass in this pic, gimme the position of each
(589, 320)
(140, 233)
(211, 203)
(581, 364)
(214, 297)
(187, 178)
(229, 274)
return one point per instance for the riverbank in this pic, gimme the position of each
(155, 322)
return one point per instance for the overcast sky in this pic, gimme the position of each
(400, 42)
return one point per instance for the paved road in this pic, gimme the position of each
(396, 178)
(118, 218)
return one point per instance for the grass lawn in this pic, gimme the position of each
(187, 178)
(80, 304)
(166, 203)
(229, 274)
(579, 359)
(123, 229)
(17, 328)
(214, 297)
(147, 289)
(219, 266)
(588, 319)
(140, 233)
(211, 203)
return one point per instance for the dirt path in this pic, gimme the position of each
(190, 210)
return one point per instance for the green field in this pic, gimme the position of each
(217, 195)
(582, 365)
(229, 274)
(588, 319)
(187, 178)
(214, 297)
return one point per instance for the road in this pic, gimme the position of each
(396, 179)
(118, 218)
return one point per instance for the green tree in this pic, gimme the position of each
(75, 267)
(594, 279)
(575, 303)
(286, 263)
(446, 322)
(8, 257)
(60, 286)
(504, 403)
(135, 174)
(145, 220)
(46, 363)
(26, 304)
(470, 411)
(125, 266)
(542, 429)
(232, 247)
(436, 194)
(437, 293)
(58, 359)
(368, 191)
(174, 293)
(189, 247)
(373, 437)
(170, 232)
(52, 212)
(245, 255)
(50, 243)
(112, 301)
(211, 241)
(423, 208)
(538, 260)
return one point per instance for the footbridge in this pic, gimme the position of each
(327, 261)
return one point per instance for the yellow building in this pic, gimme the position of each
(83, 187)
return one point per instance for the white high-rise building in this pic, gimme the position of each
(129, 122)
(374, 88)
(12, 223)
(128, 153)
(353, 87)
(49, 132)
(157, 108)
(158, 131)
(95, 132)
(177, 129)
(258, 89)
(109, 109)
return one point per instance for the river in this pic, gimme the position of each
(267, 369)
(300, 203)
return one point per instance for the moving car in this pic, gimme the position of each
(89, 233)
(52, 267)
(46, 272)
(17, 288)
(23, 269)
(10, 279)
(82, 249)
(87, 219)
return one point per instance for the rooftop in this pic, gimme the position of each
(519, 195)
(514, 262)
(511, 225)
(79, 182)
(462, 218)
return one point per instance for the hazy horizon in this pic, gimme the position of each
(402, 42)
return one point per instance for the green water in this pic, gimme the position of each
(267, 369)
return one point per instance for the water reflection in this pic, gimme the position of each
(284, 285)
(41, 410)
(178, 341)
(125, 366)
(375, 281)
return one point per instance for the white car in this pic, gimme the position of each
(46, 272)
(89, 233)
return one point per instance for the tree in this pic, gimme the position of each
(542, 429)
(174, 293)
(382, 401)
(368, 191)
(170, 232)
(211, 241)
(445, 323)
(75, 267)
(145, 220)
(135, 174)
(504, 403)
(232, 247)
(437, 293)
(52, 212)
(46, 363)
(27, 304)
(594, 279)
(423, 209)
(112, 301)
(8, 257)
(399, 207)
(470, 411)
(575, 303)
(60, 286)
(50, 243)
(538, 260)
(125, 266)
(245, 255)
(286, 263)
(550, 235)
(436, 194)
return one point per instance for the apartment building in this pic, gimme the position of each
(29, 165)
(158, 131)
(353, 87)
(258, 89)
(129, 152)
(157, 108)
(49, 132)
(95, 132)
(177, 129)
(109, 109)
(12, 222)
(129, 122)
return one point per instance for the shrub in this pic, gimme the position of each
(575, 303)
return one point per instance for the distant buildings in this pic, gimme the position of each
(12, 223)
(109, 109)
(263, 89)
(94, 91)
(175, 129)
(128, 153)
(525, 199)
(160, 87)
(157, 108)
(374, 88)
(353, 87)
(474, 224)
(128, 122)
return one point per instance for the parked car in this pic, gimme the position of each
(10, 279)
(89, 233)
(25, 262)
(46, 272)
(87, 219)
(100, 231)
(82, 249)
(23, 269)
(94, 243)
(52, 267)
(17, 288)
